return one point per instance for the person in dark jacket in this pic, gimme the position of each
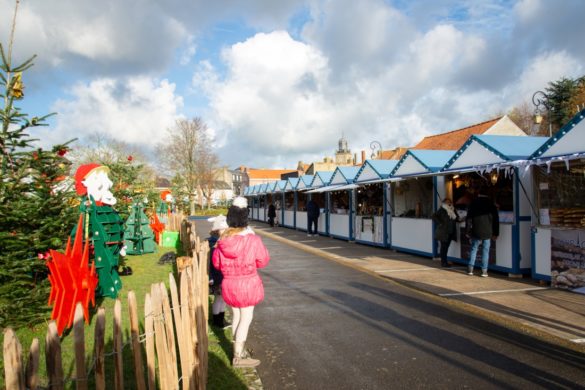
(215, 275)
(312, 217)
(271, 214)
(445, 219)
(482, 226)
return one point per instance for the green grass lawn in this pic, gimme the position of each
(146, 271)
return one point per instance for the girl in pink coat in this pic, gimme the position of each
(238, 254)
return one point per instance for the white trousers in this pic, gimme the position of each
(241, 320)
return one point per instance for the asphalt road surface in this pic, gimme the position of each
(326, 326)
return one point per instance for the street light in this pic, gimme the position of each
(376, 148)
(541, 99)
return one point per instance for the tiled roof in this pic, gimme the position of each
(268, 173)
(453, 140)
(393, 154)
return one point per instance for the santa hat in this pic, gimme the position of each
(163, 195)
(84, 171)
(219, 223)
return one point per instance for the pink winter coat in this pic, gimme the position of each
(238, 257)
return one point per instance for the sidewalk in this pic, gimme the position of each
(548, 313)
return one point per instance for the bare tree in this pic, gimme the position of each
(523, 116)
(189, 158)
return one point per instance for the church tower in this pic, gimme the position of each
(343, 154)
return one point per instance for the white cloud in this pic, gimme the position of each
(134, 110)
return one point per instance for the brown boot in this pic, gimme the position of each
(239, 360)
(242, 362)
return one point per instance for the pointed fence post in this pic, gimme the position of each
(100, 332)
(79, 343)
(32, 367)
(13, 367)
(136, 347)
(149, 334)
(118, 351)
(53, 357)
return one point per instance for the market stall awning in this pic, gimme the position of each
(421, 161)
(325, 189)
(346, 187)
(375, 169)
(569, 140)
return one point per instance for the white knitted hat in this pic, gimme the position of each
(219, 223)
(240, 202)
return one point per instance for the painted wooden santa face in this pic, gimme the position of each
(98, 185)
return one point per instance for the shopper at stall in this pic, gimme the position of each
(445, 219)
(482, 226)
(312, 217)
(219, 225)
(238, 255)
(271, 214)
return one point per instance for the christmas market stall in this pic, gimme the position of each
(489, 164)
(262, 202)
(558, 239)
(255, 201)
(248, 194)
(303, 185)
(371, 198)
(414, 192)
(321, 180)
(290, 200)
(340, 192)
(278, 197)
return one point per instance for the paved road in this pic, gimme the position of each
(326, 326)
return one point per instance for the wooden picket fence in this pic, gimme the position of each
(174, 341)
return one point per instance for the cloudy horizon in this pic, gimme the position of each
(280, 82)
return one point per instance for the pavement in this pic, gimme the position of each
(524, 304)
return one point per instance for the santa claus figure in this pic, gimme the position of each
(104, 225)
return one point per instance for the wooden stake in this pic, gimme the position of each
(181, 337)
(32, 368)
(13, 368)
(118, 351)
(79, 343)
(136, 348)
(160, 339)
(100, 331)
(149, 331)
(53, 357)
(168, 316)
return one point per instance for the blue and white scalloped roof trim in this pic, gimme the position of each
(375, 170)
(344, 175)
(291, 184)
(483, 150)
(304, 182)
(321, 179)
(416, 161)
(569, 139)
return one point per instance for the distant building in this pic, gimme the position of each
(343, 154)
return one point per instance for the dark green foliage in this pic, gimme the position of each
(36, 210)
(562, 98)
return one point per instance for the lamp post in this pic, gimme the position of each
(376, 148)
(539, 99)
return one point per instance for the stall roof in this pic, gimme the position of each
(481, 150)
(270, 187)
(321, 178)
(375, 170)
(344, 175)
(304, 182)
(291, 184)
(279, 185)
(422, 161)
(569, 139)
(263, 189)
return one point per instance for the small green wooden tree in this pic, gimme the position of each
(36, 209)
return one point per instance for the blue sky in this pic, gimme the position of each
(279, 81)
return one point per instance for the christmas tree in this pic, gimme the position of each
(36, 209)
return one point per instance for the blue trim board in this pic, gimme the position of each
(516, 225)
(370, 243)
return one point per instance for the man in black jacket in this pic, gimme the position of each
(312, 217)
(482, 226)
